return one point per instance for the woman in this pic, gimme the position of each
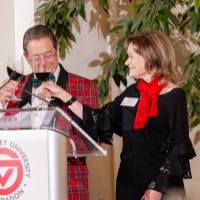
(150, 115)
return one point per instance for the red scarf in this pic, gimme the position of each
(148, 103)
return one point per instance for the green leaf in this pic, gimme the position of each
(80, 7)
(71, 36)
(115, 29)
(172, 17)
(63, 44)
(104, 4)
(117, 79)
(113, 67)
(197, 4)
(103, 89)
(124, 81)
(195, 123)
(188, 86)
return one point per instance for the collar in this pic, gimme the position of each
(56, 73)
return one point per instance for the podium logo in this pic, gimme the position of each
(11, 171)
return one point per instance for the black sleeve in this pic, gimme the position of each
(101, 123)
(179, 147)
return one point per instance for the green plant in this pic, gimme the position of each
(192, 88)
(60, 16)
(147, 15)
(143, 15)
(160, 15)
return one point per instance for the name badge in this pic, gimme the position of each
(129, 101)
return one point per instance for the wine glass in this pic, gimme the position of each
(41, 75)
(15, 69)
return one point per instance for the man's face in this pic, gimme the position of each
(42, 56)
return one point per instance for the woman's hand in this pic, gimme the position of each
(51, 89)
(151, 195)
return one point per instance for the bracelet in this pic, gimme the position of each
(70, 101)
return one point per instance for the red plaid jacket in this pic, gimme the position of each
(86, 92)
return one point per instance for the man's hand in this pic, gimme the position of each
(7, 92)
(151, 195)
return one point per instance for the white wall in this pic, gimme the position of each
(23, 19)
(89, 44)
(7, 38)
(16, 17)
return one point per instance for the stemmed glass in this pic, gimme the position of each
(42, 76)
(15, 70)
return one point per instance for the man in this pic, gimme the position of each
(42, 51)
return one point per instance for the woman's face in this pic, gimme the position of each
(136, 64)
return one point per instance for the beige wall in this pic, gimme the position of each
(193, 185)
(101, 184)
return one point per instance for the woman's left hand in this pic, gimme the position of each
(151, 195)
(53, 90)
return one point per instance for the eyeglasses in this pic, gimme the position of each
(37, 59)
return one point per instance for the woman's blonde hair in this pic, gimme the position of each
(157, 51)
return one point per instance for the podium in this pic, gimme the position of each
(34, 145)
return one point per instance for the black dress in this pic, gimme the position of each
(156, 156)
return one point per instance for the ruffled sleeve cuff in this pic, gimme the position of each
(175, 165)
(179, 159)
(97, 124)
(160, 183)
